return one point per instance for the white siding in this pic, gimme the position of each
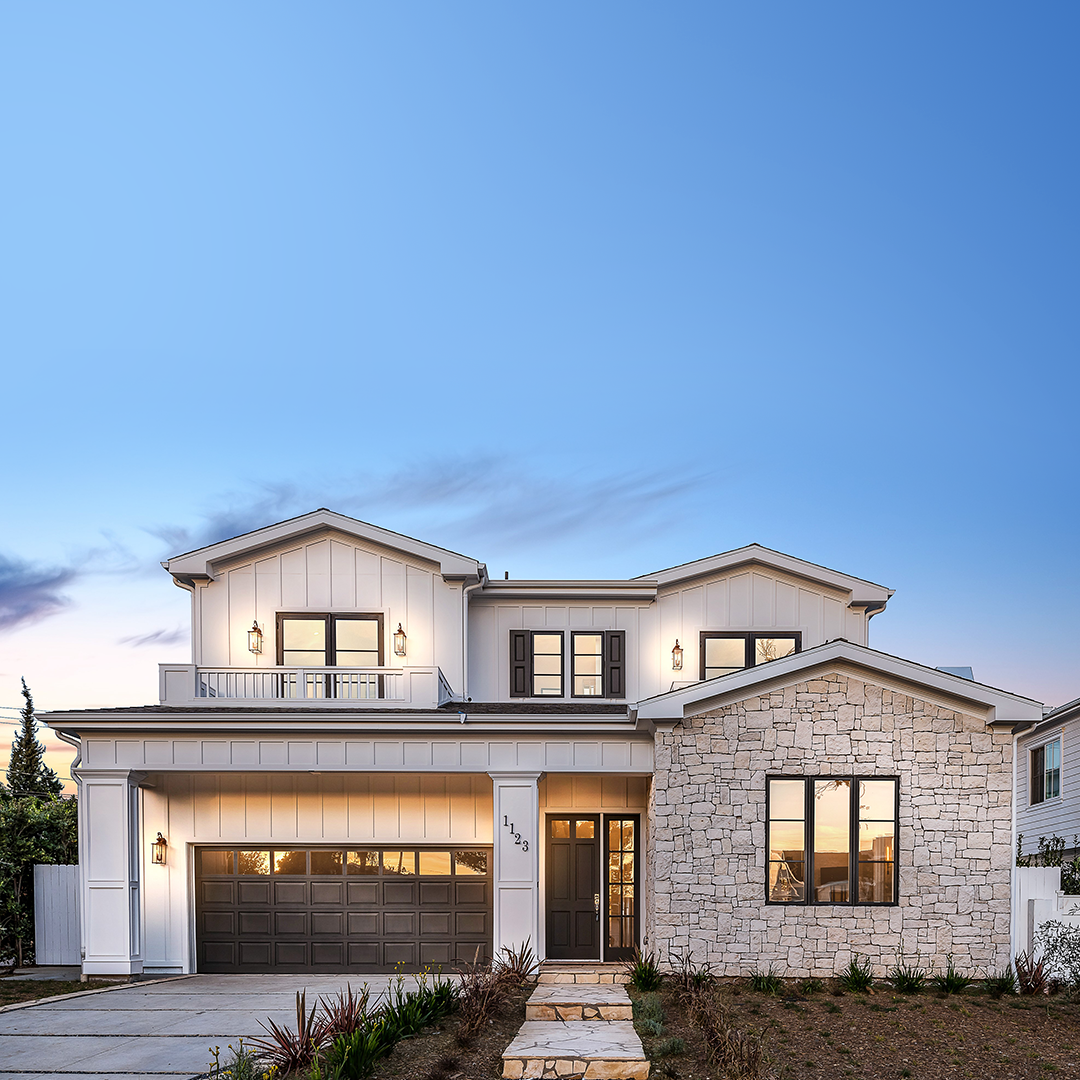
(1053, 817)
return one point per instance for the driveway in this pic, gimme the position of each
(163, 1028)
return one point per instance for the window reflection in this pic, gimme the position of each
(399, 862)
(362, 862)
(253, 862)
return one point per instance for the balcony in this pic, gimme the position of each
(356, 688)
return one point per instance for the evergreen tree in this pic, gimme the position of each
(27, 772)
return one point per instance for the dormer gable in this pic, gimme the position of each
(206, 563)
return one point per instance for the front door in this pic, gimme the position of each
(573, 888)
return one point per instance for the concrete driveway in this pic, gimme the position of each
(162, 1028)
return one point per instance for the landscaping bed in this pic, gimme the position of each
(16, 990)
(879, 1034)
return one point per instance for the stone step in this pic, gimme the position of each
(597, 974)
(579, 1001)
(585, 1050)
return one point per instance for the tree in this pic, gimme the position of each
(27, 772)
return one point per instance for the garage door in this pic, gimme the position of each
(341, 909)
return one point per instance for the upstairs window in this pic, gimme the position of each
(538, 664)
(318, 639)
(724, 652)
(1046, 771)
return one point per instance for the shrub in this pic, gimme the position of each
(648, 1007)
(950, 981)
(1031, 975)
(667, 1047)
(999, 983)
(1061, 951)
(733, 1052)
(858, 976)
(289, 1050)
(689, 974)
(655, 1028)
(907, 978)
(344, 1014)
(811, 986)
(355, 1055)
(766, 982)
(644, 971)
(481, 994)
(519, 964)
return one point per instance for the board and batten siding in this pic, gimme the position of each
(57, 929)
(331, 574)
(1053, 817)
(350, 809)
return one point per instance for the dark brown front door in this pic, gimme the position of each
(573, 888)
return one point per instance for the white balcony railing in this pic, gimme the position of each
(421, 687)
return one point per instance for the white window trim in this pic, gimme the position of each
(1057, 736)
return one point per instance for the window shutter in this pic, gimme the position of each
(519, 663)
(615, 663)
(1038, 774)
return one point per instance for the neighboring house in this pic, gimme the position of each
(379, 756)
(1047, 804)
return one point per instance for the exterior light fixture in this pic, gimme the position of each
(399, 641)
(676, 657)
(255, 636)
(159, 847)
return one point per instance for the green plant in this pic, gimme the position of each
(858, 976)
(810, 986)
(354, 1056)
(1061, 951)
(907, 978)
(244, 1065)
(950, 981)
(655, 1028)
(1000, 983)
(766, 982)
(644, 971)
(689, 973)
(648, 1007)
(519, 964)
(345, 1013)
(667, 1047)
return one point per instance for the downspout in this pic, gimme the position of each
(73, 740)
(465, 590)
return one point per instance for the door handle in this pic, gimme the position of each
(596, 905)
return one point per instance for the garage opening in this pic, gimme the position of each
(341, 910)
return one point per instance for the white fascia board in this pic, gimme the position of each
(640, 590)
(200, 563)
(999, 705)
(862, 592)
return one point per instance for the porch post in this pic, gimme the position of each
(110, 861)
(516, 802)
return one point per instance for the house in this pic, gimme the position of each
(381, 756)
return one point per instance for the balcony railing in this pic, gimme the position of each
(420, 687)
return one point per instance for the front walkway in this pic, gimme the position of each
(163, 1028)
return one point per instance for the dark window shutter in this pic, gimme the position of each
(1038, 774)
(519, 663)
(615, 663)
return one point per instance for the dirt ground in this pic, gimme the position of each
(13, 990)
(882, 1035)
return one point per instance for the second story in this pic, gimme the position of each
(330, 610)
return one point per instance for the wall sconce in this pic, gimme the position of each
(158, 847)
(676, 657)
(399, 641)
(255, 638)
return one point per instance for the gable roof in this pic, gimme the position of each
(998, 706)
(201, 563)
(862, 592)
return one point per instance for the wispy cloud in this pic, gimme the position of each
(470, 501)
(155, 637)
(29, 591)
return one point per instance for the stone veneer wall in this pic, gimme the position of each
(706, 844)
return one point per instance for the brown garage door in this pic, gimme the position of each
(341, 909)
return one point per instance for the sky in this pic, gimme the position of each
(578, 290)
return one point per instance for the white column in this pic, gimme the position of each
(516, 801)
(110, 858)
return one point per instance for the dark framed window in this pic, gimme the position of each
(831, 839)
(325, 639)
(597, 663)
(1046, 771)
(726, 651)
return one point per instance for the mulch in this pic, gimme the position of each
(882, 1034)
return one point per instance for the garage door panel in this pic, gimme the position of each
(327, 892)
(254, 923)
(381, 920)
(252, 892)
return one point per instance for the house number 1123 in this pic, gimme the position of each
(516, 835)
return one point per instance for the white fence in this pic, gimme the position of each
(56, 915)
(1037, 898)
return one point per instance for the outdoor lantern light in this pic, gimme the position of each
(399, 641)
(676, 657)
(255, 638)
(159, 846)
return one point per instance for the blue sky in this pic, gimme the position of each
(577, 289)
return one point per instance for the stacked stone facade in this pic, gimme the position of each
(706, 846)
